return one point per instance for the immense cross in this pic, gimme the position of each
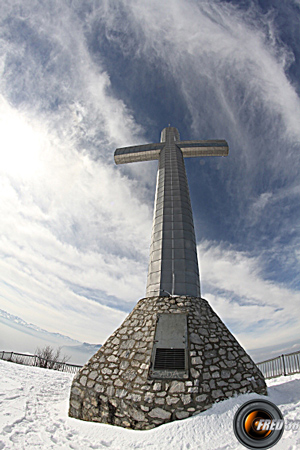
(173, 266)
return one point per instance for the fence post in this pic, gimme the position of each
(283, 365)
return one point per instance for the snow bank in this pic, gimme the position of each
(34, 415)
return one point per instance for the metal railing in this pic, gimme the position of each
(281, 365)
(34, 360)
(271, 368)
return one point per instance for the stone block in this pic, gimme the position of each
(124, 365)
(160, 413)
(196, 338)
(193, 390)
(216, 374)
(182, 414)
(216, 394)
(225, 374)
(99, 388)
(172, 400)
(196, 360)
(75, 404)
(127, 344)
(93, 375)
(186, 398)
(120, 393)
(76, 391)
(136, 415)
(83, 380)
(176, 386)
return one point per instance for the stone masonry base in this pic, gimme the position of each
(114, 387)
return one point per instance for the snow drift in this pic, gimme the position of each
(34, 415)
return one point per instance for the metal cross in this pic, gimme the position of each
(173, 266)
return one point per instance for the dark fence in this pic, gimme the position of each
(282, 365)
(34, 360)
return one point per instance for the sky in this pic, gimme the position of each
(81, 78)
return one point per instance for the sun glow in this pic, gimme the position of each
(21, 143)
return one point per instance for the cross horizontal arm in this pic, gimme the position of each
(148, 152)
(203, 148)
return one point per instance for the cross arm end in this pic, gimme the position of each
(148, 152)
(203, 148)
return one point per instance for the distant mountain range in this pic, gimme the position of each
(20, 336)
(19, 321)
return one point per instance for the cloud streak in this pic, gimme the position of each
(79, 80)
(65, 226)
(231, 69)
(250, 304)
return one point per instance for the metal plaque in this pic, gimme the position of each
(169, 354)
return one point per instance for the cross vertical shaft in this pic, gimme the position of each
(173, 265)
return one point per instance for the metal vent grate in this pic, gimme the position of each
(169, 359)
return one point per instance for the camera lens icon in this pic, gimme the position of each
(258, 424)
(254, 424)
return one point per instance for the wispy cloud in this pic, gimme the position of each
(231, 67)
(65, 223)
(75, 229)
(65, 226)
(260, 311)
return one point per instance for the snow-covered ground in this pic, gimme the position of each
(34, 415)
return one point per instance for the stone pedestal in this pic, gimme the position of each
(134, 381)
